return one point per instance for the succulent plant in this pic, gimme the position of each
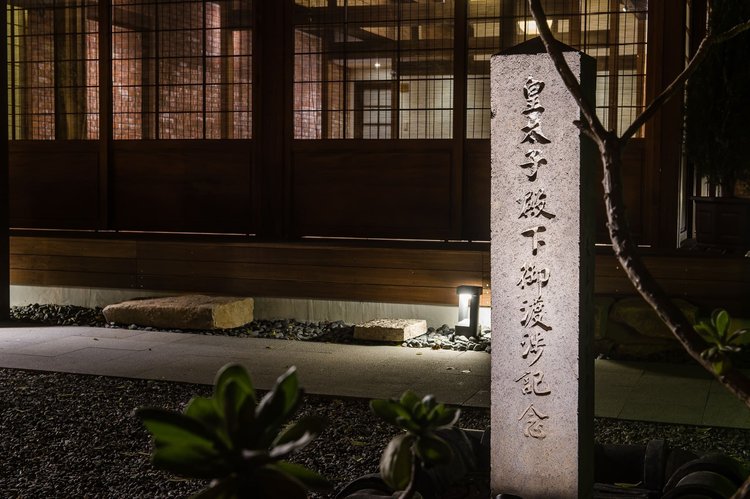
(421, 419)
(722, 343)
(237, 441)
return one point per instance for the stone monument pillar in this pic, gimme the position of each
(542, 278)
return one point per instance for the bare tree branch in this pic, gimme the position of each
(744, 491)
(610, 148)
(703, 49)
(625, 249)
(626, 252)
(553, 49)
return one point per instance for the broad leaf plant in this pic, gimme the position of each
(419, 445)
(723, 344)
(238, 442)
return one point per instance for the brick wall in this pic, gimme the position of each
(92, 79)
(127, 75)
(308, 100)
(180, 71)
(36, 110)
(335, 101)
(38, 73)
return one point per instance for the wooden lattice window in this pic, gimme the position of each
(341, 45)
(612, 31)
(182, 69)
(53, 72)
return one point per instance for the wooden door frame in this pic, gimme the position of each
(360, 86)
(4, 171)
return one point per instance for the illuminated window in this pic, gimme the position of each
(182, 69)
(611, 31)
(53, 75)
(373, 69)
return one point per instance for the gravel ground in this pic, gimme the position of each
(67, 435)
(88, 444)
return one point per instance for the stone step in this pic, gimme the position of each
(390, 330)
(183, 312)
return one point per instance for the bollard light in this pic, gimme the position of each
(468, 310)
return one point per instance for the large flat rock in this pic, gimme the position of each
(183, 312)
(390, 329)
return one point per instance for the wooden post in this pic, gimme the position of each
(665, 61)
(4, 171)
(105, 112)
(70, 73)
(271, 126)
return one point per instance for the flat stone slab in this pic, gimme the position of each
(390, 329)
(183, 312)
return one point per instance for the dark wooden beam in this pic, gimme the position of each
(131, 19)
(362, 13)
(666, 60)
(4, 169)
(273, 96)
(334, 270)
(70, 73)
(105, 111)
(460, 55)
(388, 46)
(227, 75)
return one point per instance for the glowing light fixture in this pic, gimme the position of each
(529, 26)
(468, 310)
(377, 65)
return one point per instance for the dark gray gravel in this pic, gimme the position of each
(66, 435)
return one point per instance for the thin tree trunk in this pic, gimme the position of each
(610, 148)
(626, 253)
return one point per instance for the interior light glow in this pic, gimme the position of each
(529, 26)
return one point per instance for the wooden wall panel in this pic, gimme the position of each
(182, 186)
(4, 171)
(338, 272)
(302, 289)
(476, 212)
(397, 189)
(313, 254)
(635, 192)
(710, 282)
(54, 184)
(308, 270)
(315, 273)
(43, 261)
(70, 279)
(54, 246)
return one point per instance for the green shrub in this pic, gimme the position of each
(722, 343)
(422, 420)
(237, 441)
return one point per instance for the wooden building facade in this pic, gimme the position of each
(307, 148)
